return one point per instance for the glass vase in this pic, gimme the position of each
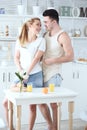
(21, 86)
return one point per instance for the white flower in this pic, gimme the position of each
(25, 76)
(22, 73)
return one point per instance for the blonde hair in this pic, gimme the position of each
(23, 37)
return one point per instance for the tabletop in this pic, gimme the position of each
(36, 96)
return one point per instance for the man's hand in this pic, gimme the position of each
(49, 61)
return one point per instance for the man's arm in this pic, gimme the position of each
(65, 42)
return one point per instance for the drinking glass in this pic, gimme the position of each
(51, 87)
(29, 87)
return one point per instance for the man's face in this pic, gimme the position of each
(48, 23)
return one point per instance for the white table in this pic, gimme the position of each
(37, 97)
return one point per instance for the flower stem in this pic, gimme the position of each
(21, 86)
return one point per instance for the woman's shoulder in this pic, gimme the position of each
(41, 38)
(17, 42)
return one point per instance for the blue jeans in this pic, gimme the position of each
(56, 80)
(35, 79)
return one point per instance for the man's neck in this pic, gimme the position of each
(54, 30)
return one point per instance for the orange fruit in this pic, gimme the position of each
(45, 90)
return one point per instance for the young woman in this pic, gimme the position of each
(28, 52)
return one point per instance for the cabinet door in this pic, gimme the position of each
(7, 75)
(67, 75)
(70, 72)
(10, 76)
(79, 85)
(2, 87)
(3, 78)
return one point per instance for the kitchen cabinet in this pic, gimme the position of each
(74, 77)
(7, 75)
(79, 84)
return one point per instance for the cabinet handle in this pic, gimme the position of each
(73, 75)
(9, 77)
(78, 75)
(3, 77)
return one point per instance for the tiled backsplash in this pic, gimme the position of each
(80, 50)
(7, 51)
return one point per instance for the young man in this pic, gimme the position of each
(58, 50)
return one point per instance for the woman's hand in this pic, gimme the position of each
(22, 72)
(26, 76)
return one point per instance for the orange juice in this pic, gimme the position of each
(51, 87)
(29, 88)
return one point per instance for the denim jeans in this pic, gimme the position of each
(56, 80)
(35, 79)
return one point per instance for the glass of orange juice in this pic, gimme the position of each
(51, 87)
(29, 87)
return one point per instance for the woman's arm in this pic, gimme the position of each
(17, 60)
(38, 55)
(37, 58)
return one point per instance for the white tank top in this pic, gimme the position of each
(53, 50)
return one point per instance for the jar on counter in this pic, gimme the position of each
(70, 33)
(7, 30)
(77, 33)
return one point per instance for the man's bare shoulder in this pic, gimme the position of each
(64, 36)
(64, 39)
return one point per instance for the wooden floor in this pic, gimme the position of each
(77, 125)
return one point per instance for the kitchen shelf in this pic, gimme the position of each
(79, 38)
(8, 38)
(80, 62)
(40, 15)
(76, 18)
(17, 16)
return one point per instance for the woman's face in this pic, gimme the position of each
(36, 26)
